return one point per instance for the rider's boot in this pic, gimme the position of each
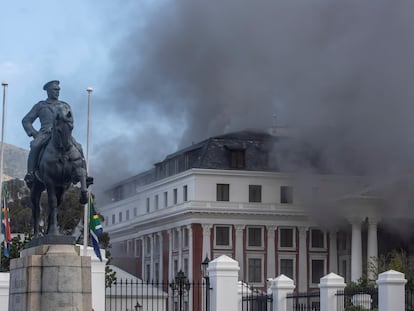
(30, 177)
(89, 181)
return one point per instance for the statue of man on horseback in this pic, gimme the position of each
(55, 160)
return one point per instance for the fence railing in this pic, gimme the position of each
(361, 299)
(255, 299)
(139, 295)
(304, 301)
(409, 299)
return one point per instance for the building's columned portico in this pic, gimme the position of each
(356, 248)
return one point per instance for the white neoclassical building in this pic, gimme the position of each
(233, 195)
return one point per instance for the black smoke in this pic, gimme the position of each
(342, 72)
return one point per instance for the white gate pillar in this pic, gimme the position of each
(391, 291)
(280, 287)
(329, 286)
(223, 272)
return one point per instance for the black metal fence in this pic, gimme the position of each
(310, 301)
(255, 299)
(409, 299)
(361, 299)
(138, 295)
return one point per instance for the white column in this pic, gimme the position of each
(152, 243)
(356, 249)
(280, 287)
(223, 272)
(333, 252)
(143, 254)
(271, 253)
(372, 247)
(170, 263)
(180, 248)
(170, 260)
(190, 262)
(329, 286)
(206, 241)
(161, 278)
(303, 261)
(391, 291)
(239, 249)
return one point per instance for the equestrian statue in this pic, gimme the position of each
(55, 159)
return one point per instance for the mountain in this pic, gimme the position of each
(15, 160)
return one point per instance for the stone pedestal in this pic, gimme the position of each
(50, 277)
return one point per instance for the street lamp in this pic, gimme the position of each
(182, 285)
(204, 272)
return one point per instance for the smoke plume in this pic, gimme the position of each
(340, 71)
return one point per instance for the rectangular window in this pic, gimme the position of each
(127, 215)
(286, 267)
(185, 237)
(156, 201)
(342, 241)
(254, 270)
(286, 194)
(286, 238)
(185, 266)
(254, 236)
(222, 236)
(185, 194)
(137, 249)
(157, 271)
(175, 196)
(129, 247)
(135, 212)
(148, 272)
(120, 216)
(237, 159)
(317, 270)
(113, 219)
(175, 240)
(317, 238)
(343, 269)
(148, 245)
(175, 266)
(223, 192)
(255, 193)
(157, 245)
(148, 205)
(165, 199)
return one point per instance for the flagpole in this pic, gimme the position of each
(4, 84)
(86, 210)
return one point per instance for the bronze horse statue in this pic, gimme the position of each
(60, 164)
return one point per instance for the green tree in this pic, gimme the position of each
(395, 260)
(16, 246)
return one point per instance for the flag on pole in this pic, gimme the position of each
(95, 228)
(5, 225)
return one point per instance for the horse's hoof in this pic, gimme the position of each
(29, 179)
(83, 199)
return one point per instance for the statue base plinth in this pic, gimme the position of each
(50, 277)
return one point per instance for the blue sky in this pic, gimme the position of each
(70, 41)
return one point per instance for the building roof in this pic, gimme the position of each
(250, 150)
